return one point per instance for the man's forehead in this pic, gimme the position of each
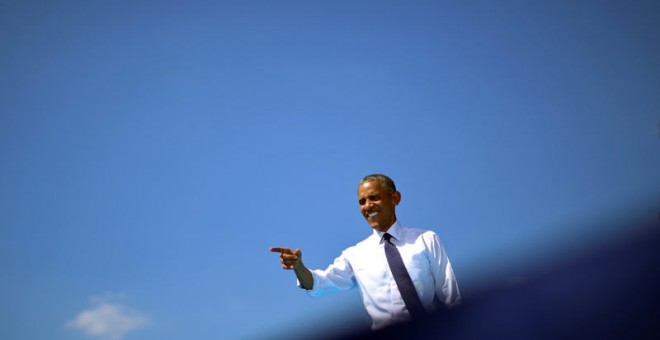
(370, 187)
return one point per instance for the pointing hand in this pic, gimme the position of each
(291, 259)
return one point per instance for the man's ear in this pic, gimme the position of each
(396, 197)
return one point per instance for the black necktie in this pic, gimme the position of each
(402, 279)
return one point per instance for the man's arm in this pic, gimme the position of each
(292, 259)
(446, 288)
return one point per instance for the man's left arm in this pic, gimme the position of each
(446, 287)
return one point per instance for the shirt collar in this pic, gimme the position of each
(395, 231)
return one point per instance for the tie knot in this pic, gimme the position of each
(387, 237)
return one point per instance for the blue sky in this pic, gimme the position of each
(151, 152)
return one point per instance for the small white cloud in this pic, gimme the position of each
(108, 320)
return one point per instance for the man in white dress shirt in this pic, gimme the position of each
(365, 265)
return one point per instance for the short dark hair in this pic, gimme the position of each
(385, 181)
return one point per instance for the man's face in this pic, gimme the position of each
(377, 205)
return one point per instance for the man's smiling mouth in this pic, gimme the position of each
(372, 214)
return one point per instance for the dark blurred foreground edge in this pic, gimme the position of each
(612, 292)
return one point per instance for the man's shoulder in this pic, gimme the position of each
(425, 237)
(418, 231)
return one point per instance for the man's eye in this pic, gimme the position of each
(362, 202)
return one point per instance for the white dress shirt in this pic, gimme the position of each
(364, 265)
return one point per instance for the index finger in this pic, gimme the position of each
(281, 250)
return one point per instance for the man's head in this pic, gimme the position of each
(378, 198)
